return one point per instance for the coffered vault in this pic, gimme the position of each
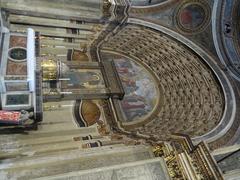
(194, 96)
(160, 73)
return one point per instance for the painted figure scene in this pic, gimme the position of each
(83, 78)
(140, 90)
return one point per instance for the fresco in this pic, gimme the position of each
(140, 90)
(83, 78)
(18, 41)
(90, 112)
(16, 68)
(192, 16)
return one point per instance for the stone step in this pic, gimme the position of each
(58, 154)
(57, 57)
(40, 149)
(72, 162)
(55, 8)
(54, 51)
(56, 127)
(63, 112)
(47, 31)
(36, 134)
(21, 150)
(46, 145)
(39, 142)
(13, 156)
(152, 169)
(58, 43)
(20, 19)
(55, 132)
(42, 141)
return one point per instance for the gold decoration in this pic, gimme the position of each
(102, 128)
(51, 107)
(106, 8)
(51, 92)
(174, 168)
(158, 151)
(198, 158)
(49, 69)
(170, 157)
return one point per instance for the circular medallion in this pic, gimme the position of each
(18, 54)
(193, 16)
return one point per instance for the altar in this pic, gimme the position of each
(18, 71)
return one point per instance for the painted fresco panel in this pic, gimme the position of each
(16, 68)
(18, 41)
(140, 90)
(83, 78)
(192, 16)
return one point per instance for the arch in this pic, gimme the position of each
(229, 105)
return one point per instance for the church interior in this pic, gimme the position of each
(119, 89)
